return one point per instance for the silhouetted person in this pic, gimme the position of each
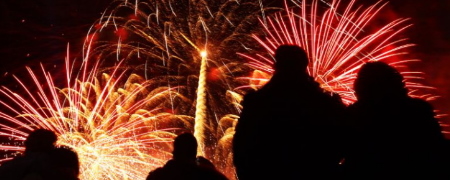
(183, 165)
(395, 136)
(65, 164)
(290, 128)
(33, 164)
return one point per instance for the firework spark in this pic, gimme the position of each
(338, 41)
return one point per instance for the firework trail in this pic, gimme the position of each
(338, 40)
(200, 116)
(113, 120)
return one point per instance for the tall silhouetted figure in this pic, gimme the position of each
(395, 136)
(34, 163)
(184, 165)
(290, 128)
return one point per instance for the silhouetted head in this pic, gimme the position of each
(378, 80)
(66, 163)
(185, 147)
(290, 58)
(40, 140)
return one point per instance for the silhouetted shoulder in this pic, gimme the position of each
(331, 100)
(422, 112)
(420, 109)
(14, 168)
(251, 95)
(156, 174)
(251, 103)
(335, 96)
(420, 103)
(210, 174)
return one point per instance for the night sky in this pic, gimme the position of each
(35, 31)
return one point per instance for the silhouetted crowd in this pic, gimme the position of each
(292, 128)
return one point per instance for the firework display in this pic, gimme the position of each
(154, 68)
(192, 44)
(112, 120)
(338, 41)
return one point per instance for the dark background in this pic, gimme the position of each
(38, 31)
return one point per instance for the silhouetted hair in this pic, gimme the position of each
(185, 146)
(378, 79)
(290, 58)
(40, 140)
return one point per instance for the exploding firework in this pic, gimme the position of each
(184, 50)
(338, 40)
(113, 120)
(194, 42)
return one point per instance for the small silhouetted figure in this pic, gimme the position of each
(395, 136)
(184, 165)
(290, 128)
(34, 163)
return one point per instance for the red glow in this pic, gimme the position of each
(214, 74)
(92, 37)
(133, 17)
(122, 33)
(98, 26)
(171, 111)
